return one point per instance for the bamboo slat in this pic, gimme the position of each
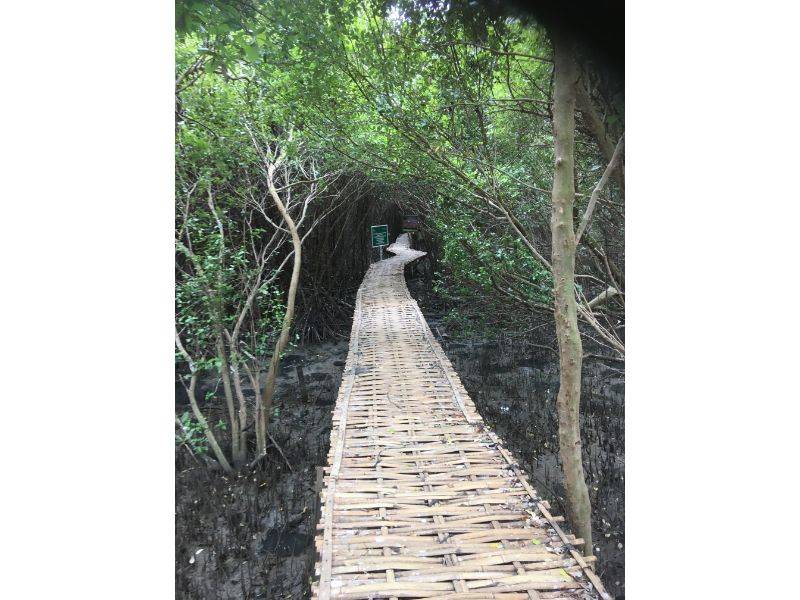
(420, 499)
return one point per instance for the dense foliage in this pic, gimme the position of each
(446, 107)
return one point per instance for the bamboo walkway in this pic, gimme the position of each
(420, 499)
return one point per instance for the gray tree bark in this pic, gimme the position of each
(563, 262)
(283, 339)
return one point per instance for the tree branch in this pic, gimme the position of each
(599, 188)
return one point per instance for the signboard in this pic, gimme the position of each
(411, 222)
(380, 235)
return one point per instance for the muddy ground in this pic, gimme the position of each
(515, 393)
(514, 387)
(251, 536)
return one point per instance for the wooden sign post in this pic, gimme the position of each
(380, 237)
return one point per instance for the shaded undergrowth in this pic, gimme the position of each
(251, 536)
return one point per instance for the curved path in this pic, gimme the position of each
(421, 500)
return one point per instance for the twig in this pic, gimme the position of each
(602, 357)
(274, 443)
(599, 188)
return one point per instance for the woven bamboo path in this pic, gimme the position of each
(420, 499)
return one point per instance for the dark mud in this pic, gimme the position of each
(252, 536)
(515, 392)
(514, 383)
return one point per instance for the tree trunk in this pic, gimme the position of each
(241, 458)
(225, 374)
(212, 440)
(283, 340)
(566, 317)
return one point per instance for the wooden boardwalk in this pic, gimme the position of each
(420, 499)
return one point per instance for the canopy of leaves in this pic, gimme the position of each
(449, 102)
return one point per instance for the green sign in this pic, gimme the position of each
(380, 235)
